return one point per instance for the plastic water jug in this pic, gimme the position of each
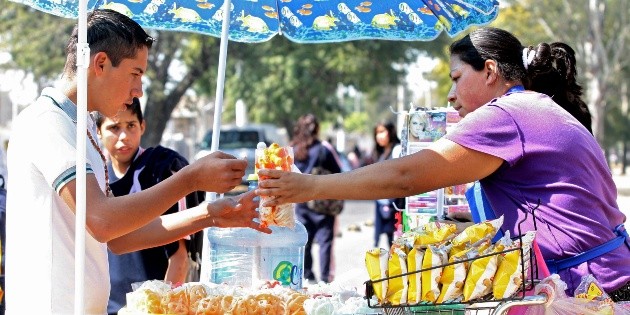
(243, 256)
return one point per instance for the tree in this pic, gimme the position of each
(278, 79)
(34, 45)
(597, 30)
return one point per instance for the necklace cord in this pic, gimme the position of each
(108, 189)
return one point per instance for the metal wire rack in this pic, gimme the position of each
(485, 305)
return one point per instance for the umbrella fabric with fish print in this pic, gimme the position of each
(303, 21)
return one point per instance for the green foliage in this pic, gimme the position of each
(280, 80)
(35, 40)
(357, 122)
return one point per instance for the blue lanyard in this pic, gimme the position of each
(516, 89)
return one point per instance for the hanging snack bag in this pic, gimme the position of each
(398, 287)
(278, 158)
(414, 263)
(475, 233)
(435, 256)
(429, 234)
(434, 232)
(454, 276)
(482, 270)
(376, 262)
(509, 275)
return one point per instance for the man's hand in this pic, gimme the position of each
(217, 172)
(238, 211)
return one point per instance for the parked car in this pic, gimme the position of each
(241, 142)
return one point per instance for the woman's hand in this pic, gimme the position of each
(285, 187)
(237, 211)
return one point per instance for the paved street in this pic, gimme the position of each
(350, 248)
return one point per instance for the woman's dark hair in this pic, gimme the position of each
(393, 137)
(135, 108)
(552, 70)
(305, 135)
(110, 32)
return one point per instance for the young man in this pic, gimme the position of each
(41, 200)
(131, 169)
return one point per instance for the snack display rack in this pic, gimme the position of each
(485, 305)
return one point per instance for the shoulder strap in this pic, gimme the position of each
(322, 155)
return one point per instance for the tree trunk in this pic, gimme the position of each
(161, 101)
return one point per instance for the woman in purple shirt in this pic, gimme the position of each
(528, 150)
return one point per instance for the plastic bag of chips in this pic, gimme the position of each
(376, 262)
(509, 276)
(454, 276)
(414, 263)
(475, 233)
(434, 258)
(482, 270)
(398, 286)
(279, 158)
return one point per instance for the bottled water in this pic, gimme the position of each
(243, 256)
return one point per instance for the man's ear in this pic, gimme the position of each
(491, 70)
(98, 62)
(143, 127)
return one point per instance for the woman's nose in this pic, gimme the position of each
(451, 94)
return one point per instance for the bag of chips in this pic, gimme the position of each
(398, 286)
(376, 262)
(434, 258)
(509, 276)
(278, 158)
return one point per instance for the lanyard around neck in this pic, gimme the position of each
(516, 89)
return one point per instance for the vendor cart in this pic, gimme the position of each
(524, 297)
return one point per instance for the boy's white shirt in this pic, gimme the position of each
(40, 226)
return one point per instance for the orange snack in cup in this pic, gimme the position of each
(277, 158)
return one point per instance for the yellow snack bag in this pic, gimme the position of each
(376, 264)
(434, 256)
(414, 263)
(481, 273)
(509, 275)
(435, 233)
(475, 233)
(397, 287)
(454, 276)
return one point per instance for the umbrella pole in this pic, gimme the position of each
(218, 102)
(216, 125)
(83, 57)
